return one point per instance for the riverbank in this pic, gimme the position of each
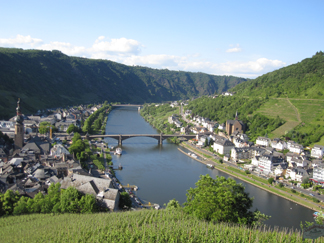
(251, 179)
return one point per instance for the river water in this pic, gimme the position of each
(163, 172)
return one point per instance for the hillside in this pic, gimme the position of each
(46, 79)
(303, 80)
(139, 226)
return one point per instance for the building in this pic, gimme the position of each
(19, 128)
(317, 151)
(234, 125)
(263, 141)
(278, 144)
(222, 145)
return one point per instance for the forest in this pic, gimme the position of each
(51, 79)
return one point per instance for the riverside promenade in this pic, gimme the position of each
(249, 178)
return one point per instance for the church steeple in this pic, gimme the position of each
(19, 128)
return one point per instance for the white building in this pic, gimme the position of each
(222, 145)
(317, 151)
(263, 141)
(318, 173)
(278, 144)
(295, 147)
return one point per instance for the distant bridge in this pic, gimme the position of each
(122, 137)
(126, 105)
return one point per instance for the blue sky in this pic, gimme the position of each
(240, 38)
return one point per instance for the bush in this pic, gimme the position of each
(247, 172)
(281, 185)
(293, 190)
(270, 180)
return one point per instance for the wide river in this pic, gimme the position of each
(163, 172)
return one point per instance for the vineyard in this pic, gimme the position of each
(139, 226)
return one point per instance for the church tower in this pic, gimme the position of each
(19, 128)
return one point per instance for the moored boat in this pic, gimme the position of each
(118, 151)
(210, 166)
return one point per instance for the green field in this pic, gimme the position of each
(311, 111)
(278, 107)
(139, 226)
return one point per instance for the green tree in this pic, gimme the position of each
(44, 127)
(220, 200)
(270, 180)
(125, 201)
(72, 128)
(8, 201)
(70, 200)
(173, 204)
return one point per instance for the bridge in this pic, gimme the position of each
(116, 105)
(122, 137)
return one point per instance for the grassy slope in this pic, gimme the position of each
(295, 94)
(140, 226)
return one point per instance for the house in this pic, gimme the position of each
(185, 130)
(267, 162)
(202, 139)
(281, 169)
(295, 147)
(241, 153)
(102, 189)
(317, 151)
(58, 150)
(263, 141)
(278, 144)
(318, 174)
(222, 145)
(296, 174)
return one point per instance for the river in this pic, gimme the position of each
(163, 172)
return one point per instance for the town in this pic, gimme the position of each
(285, 161)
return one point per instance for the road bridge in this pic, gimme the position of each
(122, 137)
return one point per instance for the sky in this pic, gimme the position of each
(234, 37)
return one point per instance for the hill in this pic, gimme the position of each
(303, 80)
(138, 226)
(45, 79)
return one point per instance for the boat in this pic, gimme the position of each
(194, 156)
(210, 166)
(118, 151)
(316, 214)
(157, 206)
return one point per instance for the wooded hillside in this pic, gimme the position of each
(301, 80)
(46, 79)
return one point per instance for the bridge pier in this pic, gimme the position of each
(160, 140)
(120, 143)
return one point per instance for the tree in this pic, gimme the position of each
(72, 128)
(173, 204)
(125, 201)
(8, 201)
(270, 180)
(220, 200)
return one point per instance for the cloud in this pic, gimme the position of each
(64, 47)
(20, 40)
(235, 49)
(122, 46)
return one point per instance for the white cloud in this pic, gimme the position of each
(122, 46)
(20, 40)
(66, 48)
(235, 49)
